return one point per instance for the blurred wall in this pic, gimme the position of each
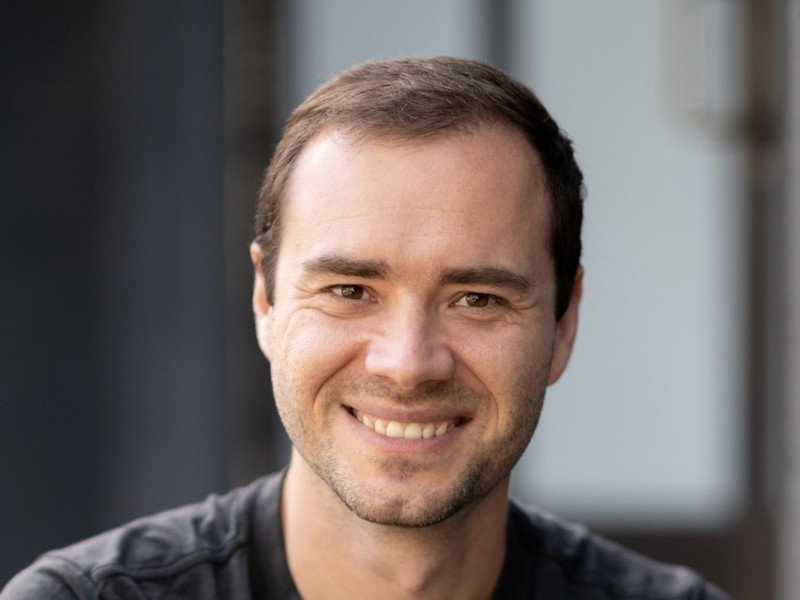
(112, 291)
(49, 443)
(255, 106)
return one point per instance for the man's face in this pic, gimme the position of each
(411, 335)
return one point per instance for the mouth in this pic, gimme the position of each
(411, 430)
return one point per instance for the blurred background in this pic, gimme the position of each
(134, 136)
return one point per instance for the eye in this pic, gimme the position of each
(477, 300)
(350, 292)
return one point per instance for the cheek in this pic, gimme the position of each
(310, 348)
(512, 368)
(507, 353)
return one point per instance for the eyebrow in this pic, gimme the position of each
(491, 276)
(348, 267)
(378, 269)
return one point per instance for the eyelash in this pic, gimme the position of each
(337, 291)
(493, 302)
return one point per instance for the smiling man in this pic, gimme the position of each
(417, 284)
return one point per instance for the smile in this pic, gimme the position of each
(408, 431)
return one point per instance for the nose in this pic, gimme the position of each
(410, 350)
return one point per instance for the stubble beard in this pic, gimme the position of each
(400, 502)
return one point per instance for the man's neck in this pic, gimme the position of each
(334, 554)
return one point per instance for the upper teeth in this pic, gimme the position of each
(409, 431)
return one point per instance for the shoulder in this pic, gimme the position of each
(580, 564)
(170, 546)
(39, 582)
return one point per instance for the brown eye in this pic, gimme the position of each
(350, 292)
(476, 300)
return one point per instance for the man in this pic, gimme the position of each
(417, 283)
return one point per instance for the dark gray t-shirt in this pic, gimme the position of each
(231, 547)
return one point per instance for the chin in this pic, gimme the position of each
(398, 512)
(404, 501)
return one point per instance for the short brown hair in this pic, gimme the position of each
(415, 98)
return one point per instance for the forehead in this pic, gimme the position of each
(479, 195)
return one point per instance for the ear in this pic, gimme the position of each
(566, 328)
(262, 309)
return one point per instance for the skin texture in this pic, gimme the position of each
(413, 283)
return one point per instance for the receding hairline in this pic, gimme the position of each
(353, 135)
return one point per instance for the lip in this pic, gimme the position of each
(417, 415)
(405, 446)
